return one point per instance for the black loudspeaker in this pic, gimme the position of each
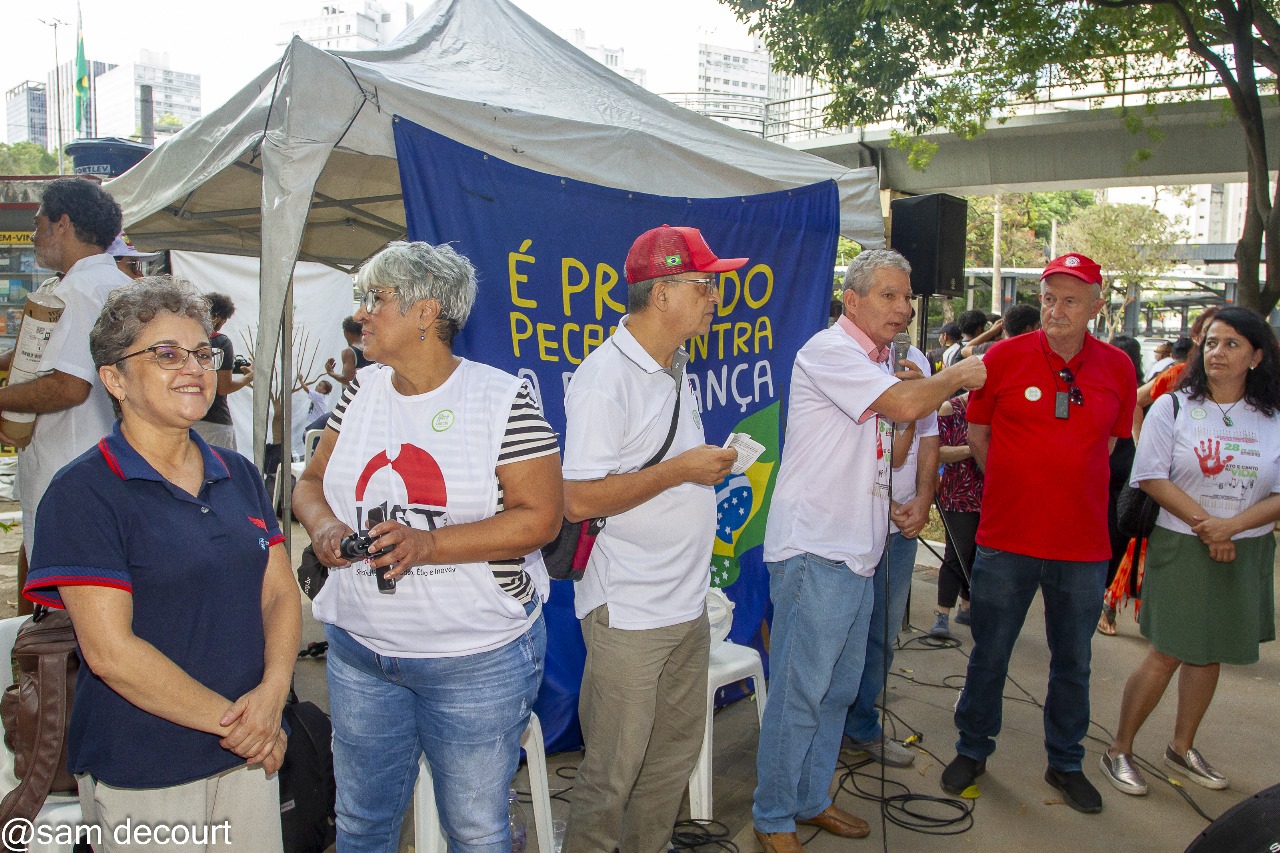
(1251, 826)
(929, 231)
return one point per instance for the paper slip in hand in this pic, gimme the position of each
(748, 448)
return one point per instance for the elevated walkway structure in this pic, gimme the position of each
(1059, 138)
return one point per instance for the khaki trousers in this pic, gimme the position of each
(237, 810)
(643, 712)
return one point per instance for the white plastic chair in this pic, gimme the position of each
(59, 810)
(429, 836)
(309, 442)
(730, 663)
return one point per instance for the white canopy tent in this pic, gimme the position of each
(301, 163)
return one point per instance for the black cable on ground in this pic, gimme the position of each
(926, 814)
(1028, 698)
(702, 835)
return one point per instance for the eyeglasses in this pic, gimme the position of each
(710, 284)
(1074, 394)
(373, 297)
(172, 357)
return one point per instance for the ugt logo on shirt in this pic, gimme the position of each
(425, 495)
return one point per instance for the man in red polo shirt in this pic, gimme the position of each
(1043, 427)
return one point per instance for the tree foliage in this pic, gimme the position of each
(1133, 243)
(26, 158)
(954, 64)
(1019, 245)
(1026, 225)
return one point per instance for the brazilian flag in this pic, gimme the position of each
(742, 500)
(82, 79)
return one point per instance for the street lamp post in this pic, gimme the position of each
(57, 83)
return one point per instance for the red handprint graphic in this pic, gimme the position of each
(1209, 455)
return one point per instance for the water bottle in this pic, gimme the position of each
(519, 828)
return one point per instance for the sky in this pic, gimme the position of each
(230, 41)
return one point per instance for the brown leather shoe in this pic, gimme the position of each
(837, 821)
(778, 842)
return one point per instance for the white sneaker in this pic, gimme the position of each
(890, 753)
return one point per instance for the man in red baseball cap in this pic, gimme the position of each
(1043, 426)
(635, 452)
(667, 251)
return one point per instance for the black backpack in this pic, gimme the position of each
(308, 820)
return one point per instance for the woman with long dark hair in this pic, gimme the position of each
(1213, 465)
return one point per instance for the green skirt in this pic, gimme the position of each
(1200, 611)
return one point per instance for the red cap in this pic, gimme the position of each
(1076, 265)
(665, 251)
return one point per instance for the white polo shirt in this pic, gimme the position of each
(832, 494)
(651, 564)
(904, 478)
(60, 437)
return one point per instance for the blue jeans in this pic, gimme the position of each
(466, 713)
(1003, 586)
(899, 560)
(821, 611)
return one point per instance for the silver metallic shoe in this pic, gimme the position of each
(1194, 767)
(1122, 775)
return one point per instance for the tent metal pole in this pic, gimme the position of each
(285, 477)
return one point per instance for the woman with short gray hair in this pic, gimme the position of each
(434, 480)
(176, 580)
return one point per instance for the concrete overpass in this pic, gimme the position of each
(1057, 149)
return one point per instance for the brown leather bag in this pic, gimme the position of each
(36, 710)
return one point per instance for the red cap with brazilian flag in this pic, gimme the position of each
(660, 252)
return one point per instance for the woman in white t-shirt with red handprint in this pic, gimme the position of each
(1213, 465)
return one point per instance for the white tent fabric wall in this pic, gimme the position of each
(300, 164)
(317, 315)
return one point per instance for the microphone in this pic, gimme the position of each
(901, 343)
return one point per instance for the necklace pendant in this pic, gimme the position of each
(1226, 420)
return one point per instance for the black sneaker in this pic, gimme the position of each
(1078, 791)
(961, 773)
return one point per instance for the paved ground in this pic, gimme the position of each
(1017, 810)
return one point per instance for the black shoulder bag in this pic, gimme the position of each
(566, 556)
(1136, 510)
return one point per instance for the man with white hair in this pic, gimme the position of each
(827, 527)
(1044, 425)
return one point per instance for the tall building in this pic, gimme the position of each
(61, 100)
(1208, 215)
(175, 97)
(734, 85)
(25, 118)
(613, 58)
(361, 25)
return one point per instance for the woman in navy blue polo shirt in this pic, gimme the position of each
(449, 468)
(167, 556)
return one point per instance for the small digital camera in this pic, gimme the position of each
(356, 547)
(239, 363)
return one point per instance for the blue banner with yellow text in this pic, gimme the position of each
(549, 256)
